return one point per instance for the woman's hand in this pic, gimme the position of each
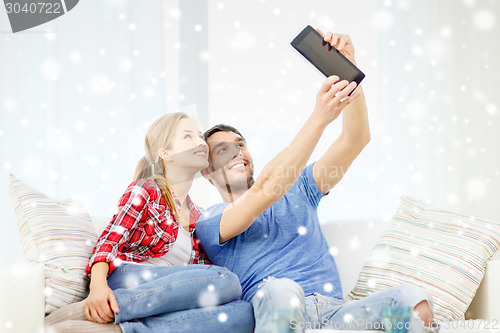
(101, 304)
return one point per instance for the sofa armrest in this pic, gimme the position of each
(486, 303)
(22, 300)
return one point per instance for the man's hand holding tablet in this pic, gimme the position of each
(331, 54)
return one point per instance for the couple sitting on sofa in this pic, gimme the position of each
(266, 235)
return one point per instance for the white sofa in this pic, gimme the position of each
(22, 292)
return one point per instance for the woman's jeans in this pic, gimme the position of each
(192, 298)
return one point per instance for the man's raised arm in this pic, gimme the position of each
(278, 175)
(355, 135)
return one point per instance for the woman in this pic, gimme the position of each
(140, 277)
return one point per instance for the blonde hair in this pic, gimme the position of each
(151, 166)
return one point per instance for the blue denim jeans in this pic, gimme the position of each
(280, 306)
(192, 298)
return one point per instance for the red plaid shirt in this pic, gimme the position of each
(143, 228)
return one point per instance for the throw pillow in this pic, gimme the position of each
(443, 252)
(57, 234)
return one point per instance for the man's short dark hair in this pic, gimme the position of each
(220, 128)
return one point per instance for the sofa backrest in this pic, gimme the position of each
(350, 243)
(100, 223)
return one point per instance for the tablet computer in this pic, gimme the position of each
(327, 59)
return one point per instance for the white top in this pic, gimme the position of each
(179, 253)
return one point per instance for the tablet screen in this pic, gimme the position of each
(324, 57)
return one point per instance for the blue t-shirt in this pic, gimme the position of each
(284, 242)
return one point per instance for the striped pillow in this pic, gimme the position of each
(58, 234)
(444, 252)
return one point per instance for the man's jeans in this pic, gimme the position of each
(280, 306)
(192, 298)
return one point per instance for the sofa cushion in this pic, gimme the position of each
(58, 234)
(444, 252)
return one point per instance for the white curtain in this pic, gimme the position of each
(75, 96)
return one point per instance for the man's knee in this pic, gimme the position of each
(278, 303)
(282, 293)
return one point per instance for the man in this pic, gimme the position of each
(267, 231)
